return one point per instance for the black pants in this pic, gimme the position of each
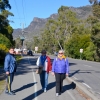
(10, 78)
(59, 81)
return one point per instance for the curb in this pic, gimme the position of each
(82, 90)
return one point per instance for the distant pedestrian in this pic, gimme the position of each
(44, 62)
(60, 68)
(10, 69)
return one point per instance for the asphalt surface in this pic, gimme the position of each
(86, 73)
(27, 85)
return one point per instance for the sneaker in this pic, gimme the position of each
(11, 93)
(57, 94)
(6, 91)
(45, 90)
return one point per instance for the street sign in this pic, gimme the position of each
(81, 50)
(36, 48)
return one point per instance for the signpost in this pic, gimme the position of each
(81, 51)
(36, 49)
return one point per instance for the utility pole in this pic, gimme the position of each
(22, 38)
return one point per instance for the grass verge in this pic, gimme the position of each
(2, 85)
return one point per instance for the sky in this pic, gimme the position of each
(25, 10)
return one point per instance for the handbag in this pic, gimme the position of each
(39, 70)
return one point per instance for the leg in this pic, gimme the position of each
(61, 81)
(46, 80)
(10, 78)
(57, 76)
(7, 84)
(42, 78)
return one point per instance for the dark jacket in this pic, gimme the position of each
(10, 63)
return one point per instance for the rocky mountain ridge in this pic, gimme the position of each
(35, 27)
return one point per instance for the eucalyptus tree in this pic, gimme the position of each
(5, 28)
(95, 23)
(47, 39)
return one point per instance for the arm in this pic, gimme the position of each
(49, 63)
(7, 64)
(53, 66)
(38, 62)
(67, 67)
(15, 65)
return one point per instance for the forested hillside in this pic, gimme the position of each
(37, 25)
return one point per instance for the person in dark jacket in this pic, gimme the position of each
(10, 69)
(60, 68)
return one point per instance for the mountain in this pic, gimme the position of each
(36, 26)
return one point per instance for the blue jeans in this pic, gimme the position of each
(44, 79)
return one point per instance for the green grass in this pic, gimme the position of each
(2, 85)
(18, 58)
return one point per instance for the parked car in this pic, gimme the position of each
(55, 53)
(30, 53)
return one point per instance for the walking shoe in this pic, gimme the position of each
(6, 91)
(11, 93)
(45, 90)
(57, 94)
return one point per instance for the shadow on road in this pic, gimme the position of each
(69, 86)
(32, 96)
(25, 87)
(80, 71)
(50, 86)
(72, 74)
(26, 66)
(71, 64)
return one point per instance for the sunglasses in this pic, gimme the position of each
(60, 53)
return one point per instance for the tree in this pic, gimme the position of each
(95, 23)
(6, 30)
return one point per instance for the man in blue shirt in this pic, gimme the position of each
(10, 68)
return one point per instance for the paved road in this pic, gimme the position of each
(27, 85)
(87, 73)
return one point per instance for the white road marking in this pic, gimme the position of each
(74, 77)
(86, 85)
(35, 85)
(87, 66)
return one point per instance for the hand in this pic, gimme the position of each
(66, 75)
(49, 71)
(53, 73)
(7, 73)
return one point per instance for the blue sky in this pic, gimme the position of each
(25, 10)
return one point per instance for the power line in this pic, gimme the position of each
(17, 10)
(23, 10)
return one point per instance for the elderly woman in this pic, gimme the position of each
(60, 69)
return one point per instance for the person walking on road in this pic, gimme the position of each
(45, 62)
(60, 68)
(10, 66)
